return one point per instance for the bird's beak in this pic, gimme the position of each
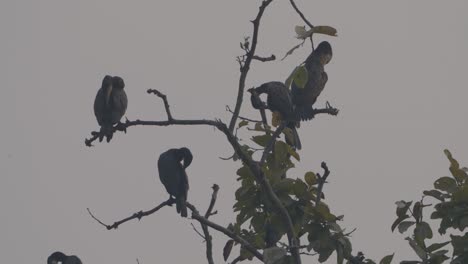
(108, 94)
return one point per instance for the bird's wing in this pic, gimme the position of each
(73, 260)
(100, 106)
(280, 101)
(119, 105)
(184, 184)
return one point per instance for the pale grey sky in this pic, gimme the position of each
(398, 75)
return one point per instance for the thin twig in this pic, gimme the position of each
(208, 238)
(264, 59)
(164, 98)
(196, 215)
(301, 14)
(242, 117)
(321, 182)
(238, 259)
(303, 18)
(137, 215)
(198, 232)
(246, 65)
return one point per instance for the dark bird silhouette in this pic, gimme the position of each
(57, 257)
(172, 174)
(278, 100)
(304, 98)
(110, 105)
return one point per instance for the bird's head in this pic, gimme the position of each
(118, 82)
(56, 257)
(324, 50)
(107, 81)
(186, 155)
(251, 90)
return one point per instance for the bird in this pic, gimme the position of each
(110, 105)
(278, 100)
(173, 176)
(58, 256)
(304, 98)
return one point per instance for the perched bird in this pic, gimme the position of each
(110, 105)
(278, 100)
(172, 174)
(304, 98)
(57, 257)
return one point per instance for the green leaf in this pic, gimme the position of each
(417, 211)
(245, 173)
(273, 255)
(302, 33)
(403, 226)
(227, 249)
(262, 140)
(422, 232)
(437, 246)
(326, 30)
(417, 249)
(243, 123)
(300, 190)
(445, 184)
(301, 77)
(258, 222)
(436, 194)
(461, 195)
(324, 211)
(402, 208)
(245, 254)
(290, 77)
(281, 151)
(398, 221)
(339, 254)
(310, 178)
(285, 185)
(387, 259)
(293, 153)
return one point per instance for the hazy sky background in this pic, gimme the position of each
(398, 76)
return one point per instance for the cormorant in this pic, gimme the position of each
(57, 257)
(110, 105)
(278, 100)
(172, 174)
(304, 98)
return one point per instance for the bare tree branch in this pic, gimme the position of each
(164, 98)
(196, 215)
(246, 65)
(137, 215)
(253, 166)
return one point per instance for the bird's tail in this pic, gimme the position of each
(181, 207)
(106, 131)
(296, 141)
(304, 113)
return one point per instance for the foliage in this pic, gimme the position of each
(451, 195)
